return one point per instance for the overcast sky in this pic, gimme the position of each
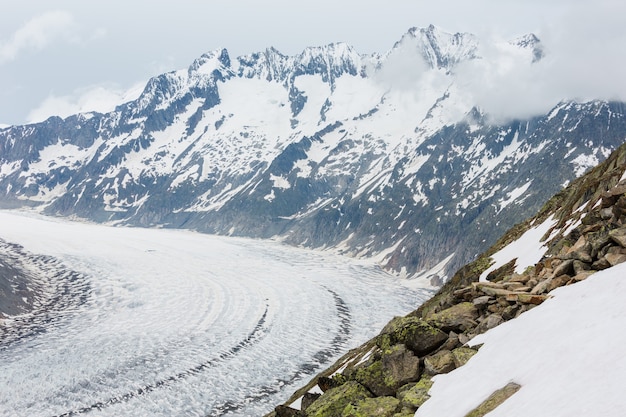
(58, 57)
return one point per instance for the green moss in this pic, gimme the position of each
(373, 407)
(412, 396)
(334, 401)
(462, 355)
(494, 400)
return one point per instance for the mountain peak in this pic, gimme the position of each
(531, 42)
(440, 49)
(210, 61)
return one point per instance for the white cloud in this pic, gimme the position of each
(101, 99)
(37, 33)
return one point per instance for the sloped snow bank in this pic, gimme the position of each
(567, 354)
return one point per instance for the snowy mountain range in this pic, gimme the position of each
(503, 334)
(383, 156)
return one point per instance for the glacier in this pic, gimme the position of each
(175, 322)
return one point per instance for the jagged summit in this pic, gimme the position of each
(440, 49)
(530, 41)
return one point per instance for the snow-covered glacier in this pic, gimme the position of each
(181, 323)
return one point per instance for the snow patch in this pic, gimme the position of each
(527, 249)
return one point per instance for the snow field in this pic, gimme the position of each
(567, 354)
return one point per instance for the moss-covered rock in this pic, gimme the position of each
(412, 396)
(441, 362)
(334, 401)
(458, 318)
(462, 355)
(385, 374)
(415, 333)
(494, 400)
(373, 407)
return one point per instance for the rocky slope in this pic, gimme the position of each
(327, 149)
(578, 232)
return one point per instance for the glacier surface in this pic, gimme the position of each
(182, 323)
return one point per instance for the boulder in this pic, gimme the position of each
(325, 383)
(559, 281)
(601, 264)
(441, 362)
(373, 407)
(309, 398)
(619, 236)
(335, 400)
(412, 396)
(490, 322)
(615, 258)
(482, 300)
(458, 318)
(565, 267)
(462, 355)
(384, 376)
(415, 333)
(541, 287)
(284, 411)
(583, 275)
(401, 365)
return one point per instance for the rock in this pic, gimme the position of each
(441, 362)
(309, 398)
(581, 250)
(534, 299)
(494, 400)
(619, 236)
(284, 411)
(581, 266)
(401, 365)
(583, 275)
(325, 383)
(580, 256)
(565, 267)
(601, 264)
(482, 300)
(522, 278)
(335, 400)
(462, 355)
(415, 395)
(459, 317)
(558, 282)
(541, 287)
(415, 333)
(384, 376)
(452, 342)
(513, 286)
(500, 273)
(494, 290)
(606, 213)
(509, 312)
(490, 322)
(598, 240)
(614, 259)
(373, 407)
(464, 338)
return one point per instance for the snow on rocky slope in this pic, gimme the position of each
(509, 334)
(329, 148)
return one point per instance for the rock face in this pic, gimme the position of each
(589, 225)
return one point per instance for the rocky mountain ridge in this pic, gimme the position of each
(578, 232)
(326, 149)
